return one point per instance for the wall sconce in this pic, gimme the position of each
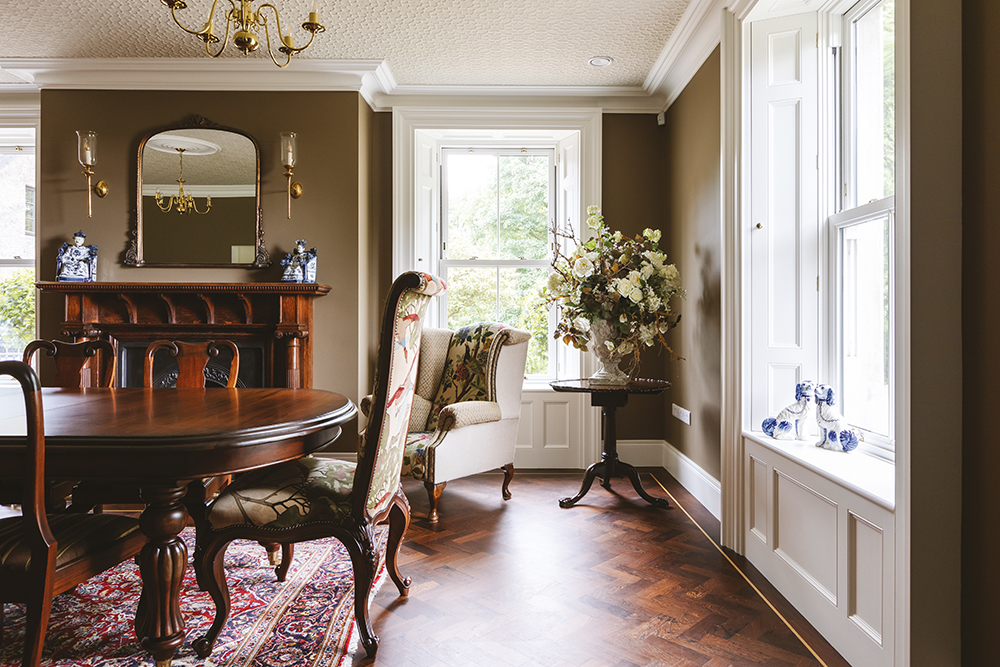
(288, 160)
(87, 154)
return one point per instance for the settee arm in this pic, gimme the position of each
(467, 413)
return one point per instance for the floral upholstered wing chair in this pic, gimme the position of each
(467, 406)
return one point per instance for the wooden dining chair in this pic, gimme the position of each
(90, 363)
(75, 363)
(192, 361)
(313, 498)
(42, 555)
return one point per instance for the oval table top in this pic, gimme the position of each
(153, 434)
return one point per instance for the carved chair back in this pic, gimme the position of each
(192, 359)
(76, 362)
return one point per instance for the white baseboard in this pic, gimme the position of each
(691, 476)
(646, 453)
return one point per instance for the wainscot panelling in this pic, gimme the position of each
(826, 547)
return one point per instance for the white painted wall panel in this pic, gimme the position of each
(805, 532)
(866, 554)
(758, 499)
(784, 211)
(826, 548)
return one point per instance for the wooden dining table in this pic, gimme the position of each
(159, 440)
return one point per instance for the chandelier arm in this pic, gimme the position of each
(225, 40)
(205, 28)
(262, 20)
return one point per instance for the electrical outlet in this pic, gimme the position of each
(682, 414)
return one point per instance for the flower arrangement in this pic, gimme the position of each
(623, 281)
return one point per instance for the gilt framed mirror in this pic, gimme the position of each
(198, 199)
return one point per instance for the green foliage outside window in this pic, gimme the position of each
(504, 215)
(17, 308)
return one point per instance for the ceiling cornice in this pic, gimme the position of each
(692, 42)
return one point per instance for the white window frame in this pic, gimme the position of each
(444, 263)
(875, 444)
(850, 212)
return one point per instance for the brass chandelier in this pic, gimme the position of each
(182, 202)
(245, 24)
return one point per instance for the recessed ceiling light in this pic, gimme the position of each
(601, 61)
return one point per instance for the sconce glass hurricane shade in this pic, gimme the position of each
(87, 147)
(288, 153)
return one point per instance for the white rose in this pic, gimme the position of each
(623, 286)
(635, 296)
(583, 267)
(647, 270)
(635, 278)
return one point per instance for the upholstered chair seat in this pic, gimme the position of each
(467, 406)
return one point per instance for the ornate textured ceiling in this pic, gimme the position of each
(423, 42)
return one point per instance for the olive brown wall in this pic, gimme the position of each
(693, 178)
(335, 133)
(669, 178)
(632, 200)
(980, 324)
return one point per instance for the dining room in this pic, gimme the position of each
(649, 129)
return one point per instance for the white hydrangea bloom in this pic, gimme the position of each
(593, 210)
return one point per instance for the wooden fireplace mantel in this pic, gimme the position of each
(277, 315)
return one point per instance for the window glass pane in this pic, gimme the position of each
(29, 209)
(520, 307)
(17, 175)
(865, 322)
(472, 295)
(17, 310)
(472, 205)
(524, 206)
(874, 82)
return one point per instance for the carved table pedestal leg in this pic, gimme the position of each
(158, 621)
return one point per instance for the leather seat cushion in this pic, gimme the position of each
(77, 535)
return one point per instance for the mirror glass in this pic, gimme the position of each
(199, 199)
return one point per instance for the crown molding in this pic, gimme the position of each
(692, 42)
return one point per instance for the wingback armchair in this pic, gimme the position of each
(467, 406)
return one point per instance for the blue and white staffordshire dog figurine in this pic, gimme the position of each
(795, 421)
(837, 433)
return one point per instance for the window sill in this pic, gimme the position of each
(868, 476)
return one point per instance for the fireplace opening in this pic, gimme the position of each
(132, 359)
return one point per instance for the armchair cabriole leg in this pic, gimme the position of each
(508, 474)
(434, 495)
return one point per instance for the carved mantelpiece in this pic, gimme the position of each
(275, 317)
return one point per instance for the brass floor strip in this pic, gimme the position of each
(737, 568)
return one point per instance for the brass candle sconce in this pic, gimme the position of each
(87, 154)
(288, 157)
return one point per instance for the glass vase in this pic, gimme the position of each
(608, 372)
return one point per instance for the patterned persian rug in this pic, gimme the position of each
(307, 621)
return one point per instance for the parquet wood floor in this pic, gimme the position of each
(612, 582)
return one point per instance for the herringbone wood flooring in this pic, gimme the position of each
(612, 582)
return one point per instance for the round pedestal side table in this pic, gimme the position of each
(609, 398)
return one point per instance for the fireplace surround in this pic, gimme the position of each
(270, 323)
